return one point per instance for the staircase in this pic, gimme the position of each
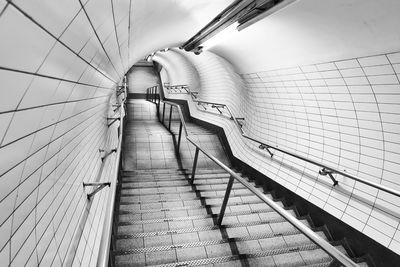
(164, 220)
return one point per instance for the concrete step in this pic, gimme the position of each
(182, 187)
(174, 180)
(183, 202)
(199, 171)
(168, 177)
(238, 225)
(191, 206)
(162, 197)
(269, 240)
(174, 183)
(212, 190)
(247, 251)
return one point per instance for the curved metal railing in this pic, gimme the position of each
(323, 244)
(326, 170)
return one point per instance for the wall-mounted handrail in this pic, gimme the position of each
(325, 245)
(326, 169)
(105, 242)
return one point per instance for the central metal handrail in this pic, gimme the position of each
(326, 169)
(325, 245)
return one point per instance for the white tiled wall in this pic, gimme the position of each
(344, 113)
(57, 82)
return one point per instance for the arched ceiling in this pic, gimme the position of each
(110, 35)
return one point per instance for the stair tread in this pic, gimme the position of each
(173, 182)
(173, 197)
(218, 254)
(205, 190)
(177, 184)
(266, 239)
(157, 208)
(275, 224)
(132, 220)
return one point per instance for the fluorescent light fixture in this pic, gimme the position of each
(275, 8)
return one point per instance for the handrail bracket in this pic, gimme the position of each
(98, 187)
(262, 146)
(108, 153)
(324, 171)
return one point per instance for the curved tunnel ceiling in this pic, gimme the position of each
(106, 34)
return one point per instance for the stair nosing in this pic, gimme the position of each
(187, 191)
(177, 199)
(193, 217)
(198, 229)
(165, 186)
(208, 242)
(190, 207)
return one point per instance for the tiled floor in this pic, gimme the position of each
(149, 145)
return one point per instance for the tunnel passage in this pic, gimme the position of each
(320, 78)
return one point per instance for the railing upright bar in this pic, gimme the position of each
(180, 135)
(170, 117)
(196, 156)
(163, 113)
(226, 198)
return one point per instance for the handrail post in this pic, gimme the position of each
(225, 202)
(196, 156)
(180, 135)
(170, 115)
(163, 114)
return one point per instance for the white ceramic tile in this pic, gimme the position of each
(39, 93)
(395, 246)
(353, 72)
(378, 70)
(58, 62)
(347, 64)
(326, 66)
(396, 68)
(378, 236)
(13, 85)
(373, 61)
(353, 221)
(16, 53)
(78, 33)
(358, 80)
(23, 123)
(54, 15)
(5, 254)
(24, 251)
(394, 57)
(383, 79)
(5, 231)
